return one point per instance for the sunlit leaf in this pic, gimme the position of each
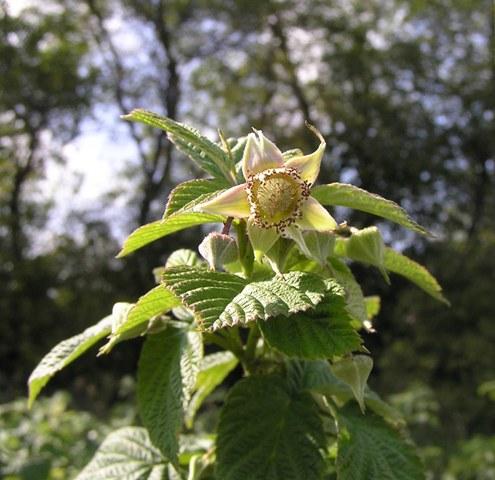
(64, 353)
(127, 454)
(347, 195)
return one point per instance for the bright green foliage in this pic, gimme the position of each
(354, 371)
(369, 448)
(289, 317)
(64, 353)
(167, 371)
(269, 431)
(206, 154)
(354, 295)
(192, 191)
(416, 273)
(346, 195)
(212, 372)
(324, 332)
(161, 228)
(373, 304)
(222, 299)
(317, 376)
(126, 453)
(366, 246)
(157, 301)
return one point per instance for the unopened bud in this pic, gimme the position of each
(218, 249)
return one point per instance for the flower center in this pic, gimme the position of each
(275, 197)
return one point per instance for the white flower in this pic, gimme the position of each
(276, 197)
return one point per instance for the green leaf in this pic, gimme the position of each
(269, 432)
(355, 301)
(120, 312)
(157, 301)
(127, 454)
(373, 304)
(213, 370)
(354, 371)
(222, 299)
(414, 272)
(153, 231)
(192, 191)
(346, 195)
(316, 376)
(167, 372)
(323, 332)
(366, 246)
(369, 448)
(64, 353)
(205, 153)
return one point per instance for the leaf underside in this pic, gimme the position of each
(398, 263)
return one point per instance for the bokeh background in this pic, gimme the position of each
(404, 93)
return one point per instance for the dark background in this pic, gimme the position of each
(404, 93)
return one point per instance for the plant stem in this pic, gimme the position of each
(227, 225)
(252, 342)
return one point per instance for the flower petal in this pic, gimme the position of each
(308, 166)
(232, 203)
(315, 217)
(260, 154)
(262, 239)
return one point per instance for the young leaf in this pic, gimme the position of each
(323, 332)
(157, 301)
(354, 295)
(213, 370)
(369, 448)
(367, 246)
(373, 304)
(414, 272)
(267, 431)
(153, 231)
(205, 153)
(167, 372)
(316, 376)
(125, 453)
(64, 353)
(193, 190)
(354, 371)
(222, 299)
(346, 195)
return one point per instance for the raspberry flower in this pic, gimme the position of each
(276, 197)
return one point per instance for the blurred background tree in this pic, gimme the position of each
(404, 93)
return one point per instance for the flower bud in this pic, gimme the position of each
(218, 249)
